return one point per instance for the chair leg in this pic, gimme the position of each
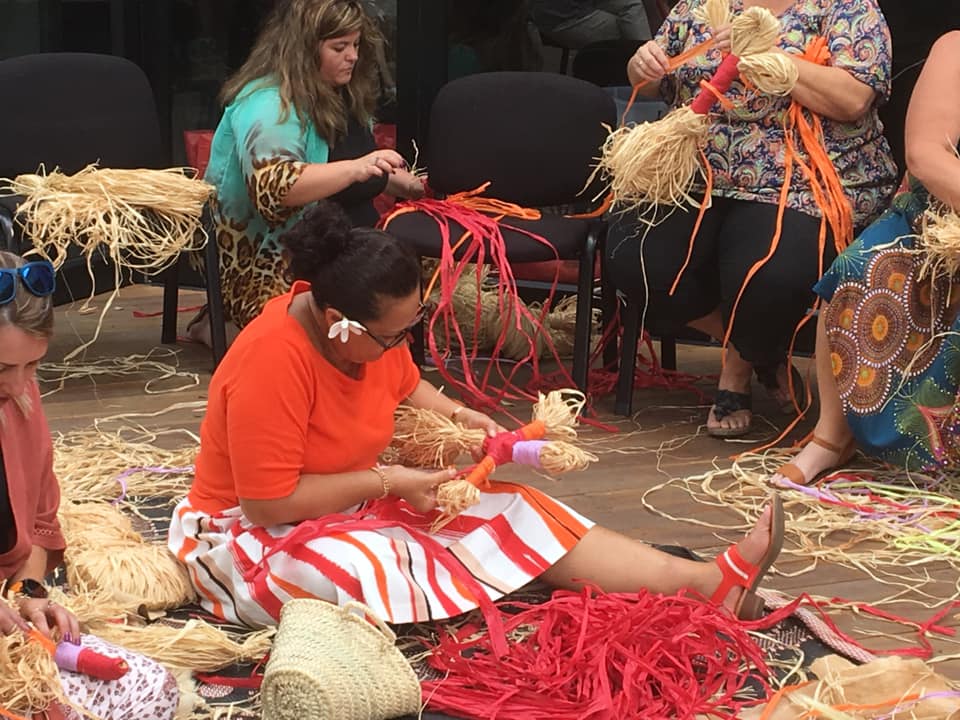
(171, 291)
(581, 336)
(628, 358)
(608, 303)
(564, 61)
(668, 352)
(218, 329)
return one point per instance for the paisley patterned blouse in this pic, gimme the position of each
(746, 143)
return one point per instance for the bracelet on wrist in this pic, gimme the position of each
(384, 480)
(456, 411)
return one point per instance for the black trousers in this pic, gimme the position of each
(733, 236)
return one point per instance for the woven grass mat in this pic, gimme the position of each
(792, 643)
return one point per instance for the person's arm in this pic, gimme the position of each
(650, 63)
(831, 91)
(859, 66)
(933, 122)
(316, 181)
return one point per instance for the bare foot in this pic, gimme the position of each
(199, 330)
(752, 548)
(812, 460)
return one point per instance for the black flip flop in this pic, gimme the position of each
(727, 402)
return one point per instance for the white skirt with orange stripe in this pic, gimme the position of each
(382, 555)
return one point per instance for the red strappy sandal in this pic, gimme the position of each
(738, 572)
(794, 474)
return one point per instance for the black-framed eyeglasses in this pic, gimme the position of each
(38, 277)
(390, 343)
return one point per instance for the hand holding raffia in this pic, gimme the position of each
(657, 163)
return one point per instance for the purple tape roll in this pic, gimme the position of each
(527, 452)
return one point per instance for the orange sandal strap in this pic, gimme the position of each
(827, 445)
(792, 473)
(735, 572)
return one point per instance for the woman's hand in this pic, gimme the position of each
(46, 615)
(377, 164)
(417, 487)
(478, 421)
(648, 65)
(10, 620)
(405, 184)
(721, 39)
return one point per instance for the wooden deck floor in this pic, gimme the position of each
(646, 452)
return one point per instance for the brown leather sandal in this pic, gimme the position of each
(794, 474)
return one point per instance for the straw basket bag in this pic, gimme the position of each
(330, 663)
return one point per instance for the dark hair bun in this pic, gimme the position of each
(318, 239)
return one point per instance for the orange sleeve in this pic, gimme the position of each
(268, 407)
(409, 373)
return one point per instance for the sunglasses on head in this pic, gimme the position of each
(38, 277)
(392, 342)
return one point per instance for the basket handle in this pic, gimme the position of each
(358, 608)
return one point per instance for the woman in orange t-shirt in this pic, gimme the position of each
(289, 499)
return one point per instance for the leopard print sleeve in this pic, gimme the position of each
(269, 184)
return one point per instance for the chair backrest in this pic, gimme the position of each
(68, 110)
(534, 136)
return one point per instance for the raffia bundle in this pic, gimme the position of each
(197, 646)
(940, 242)
(29, 679)
(478, 307)
(108, 560)
(424, 438)
(556, 414)
(657, 163)
(142, 218)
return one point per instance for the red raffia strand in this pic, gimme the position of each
(481, 244)
(596, 656)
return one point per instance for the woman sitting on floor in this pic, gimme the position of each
(888, 353)
(31, 544)
(299, 412)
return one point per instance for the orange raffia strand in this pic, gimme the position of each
(674, 62)
(480, 475)
(778, 696)
(10, 715)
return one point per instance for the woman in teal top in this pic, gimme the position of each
(296, 129)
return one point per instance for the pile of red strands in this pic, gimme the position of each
(597, 656)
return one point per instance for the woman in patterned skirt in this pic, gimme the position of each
(888, 352)
(296, 128)
(31, 543)
(289, 499)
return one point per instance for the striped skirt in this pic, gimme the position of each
(382, 555)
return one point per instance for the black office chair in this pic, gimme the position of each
(66, 111)
(535, 138)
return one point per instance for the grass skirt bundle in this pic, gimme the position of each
(331, 663)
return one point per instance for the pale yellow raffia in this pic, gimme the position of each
(141, 219)
(940, 242)
(884, 548)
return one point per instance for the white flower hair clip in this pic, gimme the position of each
(344, 327)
